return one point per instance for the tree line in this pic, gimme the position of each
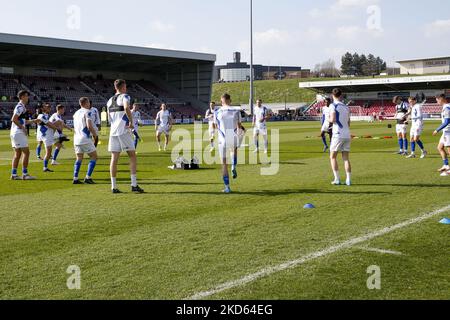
(362, 65)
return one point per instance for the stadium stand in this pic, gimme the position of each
(67, 91)
(368, 108)
(61, 71)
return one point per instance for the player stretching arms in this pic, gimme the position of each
(212, 130)
(46, 134)
(137, 122)
(57, 120)
(341, 141)
(163, 124)
(327, 127)
(260, 117)
(402, 112)
(121, 138)
(19, 140)
(85, 130)
(416, 128)
(227, 120)
(445, 140)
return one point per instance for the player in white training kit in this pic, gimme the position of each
(401, 115)
(163, 124)
(137, 122)
(228, 120)
(46, 134)
(19, 139)
(341, 141)
(444, 143)
(58, 122)
(260, 117)
(211, 128)
(85, 133)
(121, 138)
(416, 128)
(327, 127)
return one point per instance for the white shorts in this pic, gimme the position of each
(326, 127)
(123, 143)
(229, 146)
(85, 148)
(19, 141)
(163, 129)
(260, 129)
(416, 131)
(340, 145)
(212, 131)
(47, 141)
(401, 128)
(445, 140)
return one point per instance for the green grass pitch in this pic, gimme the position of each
(184, 236)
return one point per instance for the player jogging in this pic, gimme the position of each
(137, 122)
(46, 134)
(84, 132)
(227, 120)
(260, 117)
(59, 138)
(19, 139)
(444, 143)
(402, 112)
(121, 138)
(416, 128)
(211, 128)
(163, 124)
(327, 127)
(341, 141)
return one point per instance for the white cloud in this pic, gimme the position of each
(160, 26)
(272, 37)
(313, 34)
(437, 28)
(99, 38)
(316, 13)
(349, 33)
(353, 33)
(355, 3)
(159, 46)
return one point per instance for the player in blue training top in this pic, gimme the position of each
(401, 114)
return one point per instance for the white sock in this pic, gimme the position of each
(113, 183)
(349, 176)
(133, 180)
(336, 176)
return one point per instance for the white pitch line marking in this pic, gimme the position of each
(382, 251)
(312, 256)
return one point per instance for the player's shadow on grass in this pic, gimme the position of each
(157, 182)
(419, 185)
(277, 193)
(293, 163)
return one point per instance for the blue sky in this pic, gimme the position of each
(287, 32)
